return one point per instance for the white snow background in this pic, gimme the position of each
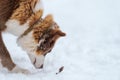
(91, 49)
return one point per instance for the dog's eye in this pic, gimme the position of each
(41, 48)
(45, 41)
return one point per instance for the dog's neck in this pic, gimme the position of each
(19, 21)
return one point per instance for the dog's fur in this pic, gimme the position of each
(36, 35)
(6, 9)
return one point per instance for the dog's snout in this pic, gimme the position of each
(39, 61)
(41, 66)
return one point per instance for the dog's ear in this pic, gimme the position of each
(57, 31)
(60, 33)
(33, 4)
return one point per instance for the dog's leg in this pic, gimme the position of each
(4, 56)
(17, 69)
(6, 61)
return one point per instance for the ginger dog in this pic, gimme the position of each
(36, 35)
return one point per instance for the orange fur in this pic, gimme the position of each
(41, 27)
(44, 31)
(35, 17)
(24, 11)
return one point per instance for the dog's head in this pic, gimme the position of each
(46, 43)
(41, 40)
(48, 40)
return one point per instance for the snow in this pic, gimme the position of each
(91, 49)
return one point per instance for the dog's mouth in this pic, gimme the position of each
(48, 40)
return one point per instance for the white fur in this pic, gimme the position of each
(39, 60)
(32, 57)
(38, 6)
(15, 28)
(28, 44)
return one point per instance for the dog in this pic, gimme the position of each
(36, 35)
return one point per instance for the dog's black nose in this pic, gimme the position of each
(41, 66)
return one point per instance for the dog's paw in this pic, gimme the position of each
(17, 69)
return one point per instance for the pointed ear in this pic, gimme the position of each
(60, 33)
(33, 3)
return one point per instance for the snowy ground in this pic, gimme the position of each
(91, 49)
